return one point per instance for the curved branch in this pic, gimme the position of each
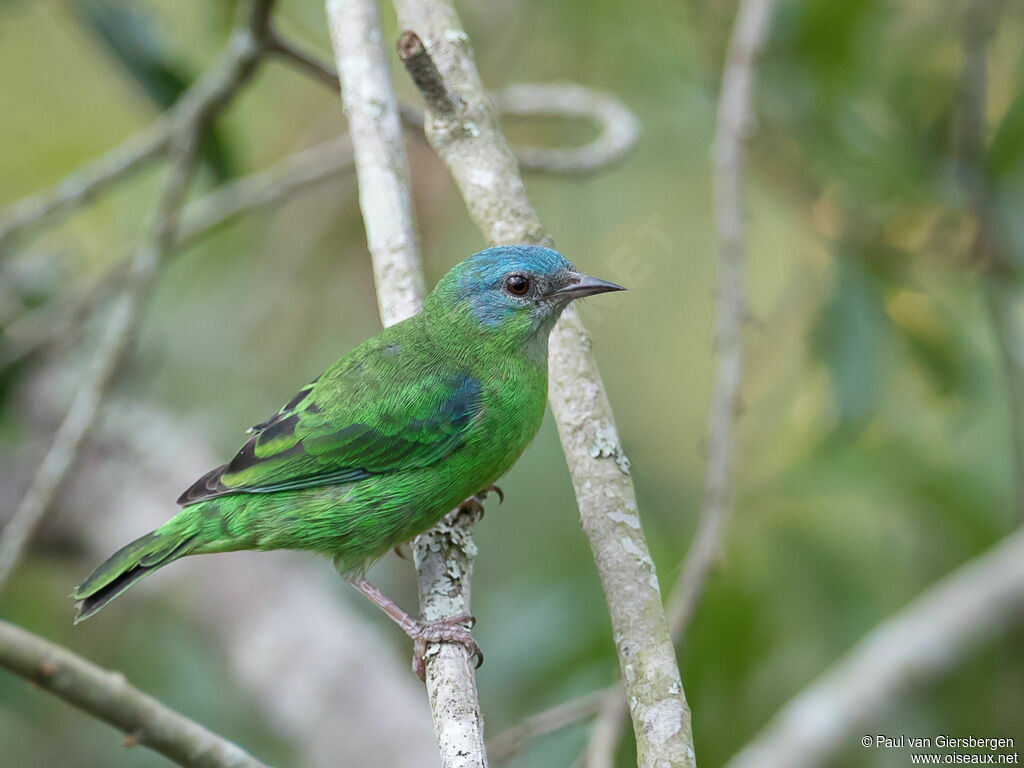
(108, 696)
(486, 172)
(970, 606)
(618, 126)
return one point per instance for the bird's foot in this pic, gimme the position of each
(474, 505)
(450, 630)
(493, 488)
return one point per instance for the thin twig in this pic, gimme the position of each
(286, 178)
(60, 318)
(305, 61)
(606, 732)
(201, 104)
(486, 172)
(108, 696)
(443, 555)
(975, 603)
(508, 743)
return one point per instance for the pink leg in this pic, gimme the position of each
(450, 630)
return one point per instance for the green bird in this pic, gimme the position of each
(383, 444)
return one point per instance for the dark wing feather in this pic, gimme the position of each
(361, 418)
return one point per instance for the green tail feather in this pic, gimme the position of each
(127, 566)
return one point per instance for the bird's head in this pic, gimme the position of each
(518, 291)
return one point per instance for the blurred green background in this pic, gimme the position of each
(875, 447)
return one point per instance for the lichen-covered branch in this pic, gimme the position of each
(444, 563)
(443, 555)
(199, 106)
(108, 696)
(930, 636)
(463, 128)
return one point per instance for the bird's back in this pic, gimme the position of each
(376, 449)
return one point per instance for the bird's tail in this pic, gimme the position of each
(127, 566)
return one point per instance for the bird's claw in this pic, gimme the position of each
(474, 505)
(450, 630)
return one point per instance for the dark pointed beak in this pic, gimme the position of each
(577, 286)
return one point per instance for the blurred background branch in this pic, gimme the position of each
(200, 106)
(109, 697)
(929, 637)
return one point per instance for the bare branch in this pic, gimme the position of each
(606, 732)
(199, 106)
(485, 169)
(108, 697)
(950, 619)
(60, 317)
(443, 555)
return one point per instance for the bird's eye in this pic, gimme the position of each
(517, 285)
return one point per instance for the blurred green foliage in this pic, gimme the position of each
(874, 446)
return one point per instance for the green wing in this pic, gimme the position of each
(371, 413)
